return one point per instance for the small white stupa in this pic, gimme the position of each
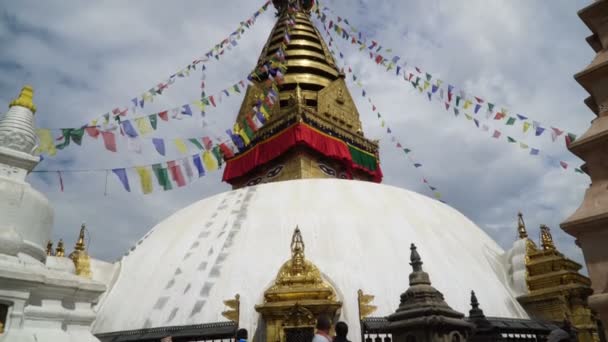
(41, 296)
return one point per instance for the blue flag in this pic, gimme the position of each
(196, 159)
(159, 144)
(122, 176)
(129, 129)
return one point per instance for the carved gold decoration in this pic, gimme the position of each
(60, 250)
(557, 290)
(546, 240)
(25, 99)
(364, 308)
(82, 260)
(49, 248)
(521, 226)
(298, 295)
(234, 305)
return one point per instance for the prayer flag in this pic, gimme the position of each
(143, 125)
(510, 121)
(578, 170)
(496, 134)
(570, 138)
(196, 160)
(46, 142)
(477, 107)
(539, 130)
(212, 100)
(162, 176)
(196, 143)
(555, 132)
(164, 115)
(476, 122)
(60, 180)
(563, 164)
(522, 145)
(187, 168)
(521, 117)
(176, 173)
(186, 110)
(226, 151)
(122, 176)
(207, 143)
(153, 121)
(526, 126)
(511, 140)
(159, 144)
(109, 140)
(417, 165)
(181, 146)
(534, 152)
(499, 116)
(209, 160)
(92, 131)
(145, 179)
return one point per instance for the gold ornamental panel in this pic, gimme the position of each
(302, 52)
(297, 32)
(311, 64)
(307, 78)
(300, 27)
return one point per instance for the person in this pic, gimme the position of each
(341, 332)
(323, 326)
(241, 335)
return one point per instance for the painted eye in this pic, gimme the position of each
(343, 175)
(255, 181)
(327, 170)
(274, 172)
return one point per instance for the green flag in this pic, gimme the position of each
(511, 121)
(407, 150)
(162, 176)
(511, 140)
(196, 143)
(153, 120)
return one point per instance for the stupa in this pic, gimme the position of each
(309, 166)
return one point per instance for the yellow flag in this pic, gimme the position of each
(526, 126)
(200, 104)
(181, 146)
(467, 104)
(243, 135)
(47, 143)
(145, 178)
(209, 161)
(143, 126)
(426, 85)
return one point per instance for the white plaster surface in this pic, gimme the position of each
(357, 233)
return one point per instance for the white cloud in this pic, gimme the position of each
(86, 58)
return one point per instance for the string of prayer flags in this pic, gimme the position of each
(216, 52)
(462, 100)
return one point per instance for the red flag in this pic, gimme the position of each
(250, 123)
(478, 99)
(496, 134)
(176, 173)
(373, 108)
(379, 59)
(226, 151)
(447, 106)
(563, 164)
(92, 131)
(399, 145)
(164, 115)
(212, 100)
(449, 96)
(418, 70)
(208, 143)
(109, 140)
(499, 116)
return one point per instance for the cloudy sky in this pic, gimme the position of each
(86, 58)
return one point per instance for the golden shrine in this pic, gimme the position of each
(557, 291)
(298, 296)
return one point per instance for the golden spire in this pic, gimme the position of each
(80, 245)
(521, 226)
(82, 261)
(297, 252)
(364, 300)
(25, 99)
(60, 251)
(49, 248)
(546, 240)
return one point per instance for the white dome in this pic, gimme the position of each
(357, 233)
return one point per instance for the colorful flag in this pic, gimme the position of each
(196, 160)
(521, 117)
(209, 160)
(511, 140)
(417, 165)
(164, 115)
(539, 130)
(122, 176)
(570, 138)
(109, 140)
(60, 180)
(129, 129)
(145, 179)
(176, 173)
(499, 116)
(196, 143)
(534, 152)
(187, 168)
(555, 132)
(143, 125)
(159, 145)
(181, 146)
(46, 142)
(162, 176)
(496, 134)
(186, 110)
(92, 131)
(563, 164)
(526, 126)
(477, 107)
(134, 145)
(510, 121)
(153, 121)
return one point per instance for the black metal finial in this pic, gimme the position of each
(415, 259)
(474, 302)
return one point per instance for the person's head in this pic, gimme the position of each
(241, 334)
(341, 329)
(323, 324)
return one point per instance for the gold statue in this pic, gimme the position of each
(60, 251)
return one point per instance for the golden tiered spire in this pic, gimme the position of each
(521, 226)
(312, 93)
(82, 261)
(546, 240)
(60, 251)
(49, 248)
(25, 99)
